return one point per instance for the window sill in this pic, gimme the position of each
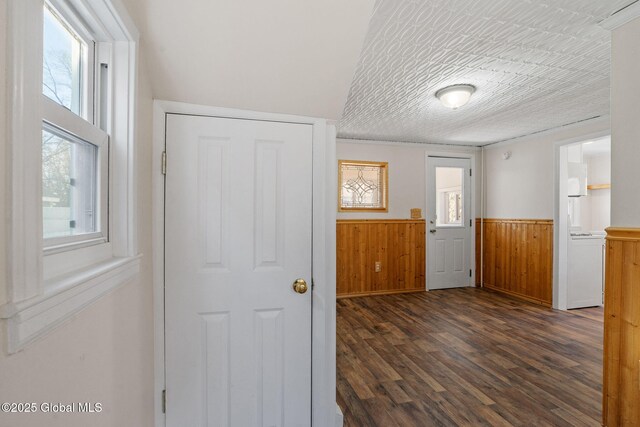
(30, 319)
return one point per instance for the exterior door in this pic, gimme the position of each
(238, 235)
(449, 223)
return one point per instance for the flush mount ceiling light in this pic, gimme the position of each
(455, 96)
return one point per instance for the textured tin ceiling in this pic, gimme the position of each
(537, 65)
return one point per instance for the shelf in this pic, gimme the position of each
(598, 187)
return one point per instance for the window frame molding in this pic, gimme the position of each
(35, 305)
(69, 17)
(384, 167)
(61, 121)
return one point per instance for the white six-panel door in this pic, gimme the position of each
(448, 222)
(238, 234)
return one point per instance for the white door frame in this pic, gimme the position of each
(560, 203)
(323, 339)
(472, 251)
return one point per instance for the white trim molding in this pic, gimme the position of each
(33, 318)
(323, 263)
(24, 79)
(560, 222)
(622, 17)
(603, 122)
(339, 416)
(43, 293)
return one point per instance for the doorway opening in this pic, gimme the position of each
(583, 209)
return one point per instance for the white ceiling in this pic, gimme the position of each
(537, 65)
(285, 56)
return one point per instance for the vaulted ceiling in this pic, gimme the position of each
(537, 65)
(285, 56)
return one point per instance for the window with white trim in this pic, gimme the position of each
(74, 147)
(72, 79)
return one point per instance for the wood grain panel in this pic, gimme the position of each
(478, 231)
(598, 187)
(467, 357)
(399, 246)
(518, 258)
(621, 385)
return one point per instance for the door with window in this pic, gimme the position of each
(449, 223)
(238, 272)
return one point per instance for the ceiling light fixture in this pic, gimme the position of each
(455, 96)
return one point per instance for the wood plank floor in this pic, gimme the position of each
(467, 357)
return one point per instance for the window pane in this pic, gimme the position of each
(61, 63)
(69, 191)
(363, 185)
(449, 200)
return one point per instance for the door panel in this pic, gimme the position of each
(458, 255)
(440, 254)
(237, 235)
(216, 346)
(213, 201)
(448, 215)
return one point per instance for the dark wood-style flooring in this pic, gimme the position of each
(467, 357)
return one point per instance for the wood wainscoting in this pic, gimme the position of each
(621, 385)
(518, 258)
(397, 244)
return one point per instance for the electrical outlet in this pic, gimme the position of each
(378, 266)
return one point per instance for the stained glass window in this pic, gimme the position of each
(362, 186)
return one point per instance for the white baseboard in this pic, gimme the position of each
(339, 416)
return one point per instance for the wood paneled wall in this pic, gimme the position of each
(478, 231)
(518, 258)
(399, 246)
(621, 385)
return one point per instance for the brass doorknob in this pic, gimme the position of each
(300, 286)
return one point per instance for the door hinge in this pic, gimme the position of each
(164, 401)
(470, 172)
(164, 163)
(470, 223)
(470, 273)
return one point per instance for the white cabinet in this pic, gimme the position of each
(585, 273)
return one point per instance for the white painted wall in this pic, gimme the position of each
(625, 126)
(104, 353)
(522, 187)
(406, 173)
